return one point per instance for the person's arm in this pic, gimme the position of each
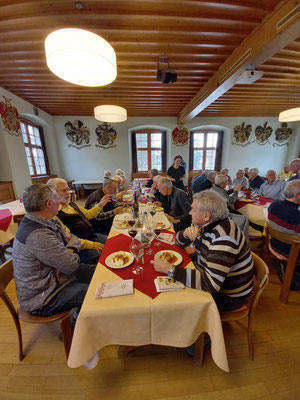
(182, 178)
(45, 246)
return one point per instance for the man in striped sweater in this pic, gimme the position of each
(224, 265)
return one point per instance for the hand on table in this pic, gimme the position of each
(192, 232)
(98, 246)
(157, 203)
(161, 265)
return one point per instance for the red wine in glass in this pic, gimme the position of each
(131, 222)
(132, 232)
(152, 212)
(157, 231)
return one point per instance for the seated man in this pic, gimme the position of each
(152, 173)
(203, 184)
(273, 188)
(285, 174)
(295, 168)
(224, 265)
(241, 179)
(255, 180)
(224, 171)
(103, 221)
(177, 203)
(219, 186)
(107, 175)
(48, 275)
(284, 216)
(75, 217)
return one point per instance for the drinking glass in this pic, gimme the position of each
(157, 232)
(132, 231)
(137, 251)
(150, 236)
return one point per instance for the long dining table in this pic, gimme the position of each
(174, 318)
(8, 227)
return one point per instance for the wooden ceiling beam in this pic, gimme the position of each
(265, 41)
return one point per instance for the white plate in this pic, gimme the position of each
(121, 227)
(179, 256)
(110, 264)
(166, 224)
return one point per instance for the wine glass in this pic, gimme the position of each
(137, 251)
(150, 236)
(157, 231)
(132, 231)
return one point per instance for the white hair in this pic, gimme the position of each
(119, 172)
(213, 203)
(55, 182)
(220, 179)
(165, 182)
(253, 171)
(291, 189)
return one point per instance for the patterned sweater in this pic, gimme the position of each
(224, 261)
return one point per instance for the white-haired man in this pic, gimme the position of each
(284, 216)
(103, 221)
(219, 186)
(241, 179)
(177, 203)
(295, 168)
(224, 264)
(76, 219)
(273, 188)
(255, 180)
(48, 274)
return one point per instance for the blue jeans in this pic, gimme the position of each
(91, 256)
(72, 295)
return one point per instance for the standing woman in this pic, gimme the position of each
(177, 173)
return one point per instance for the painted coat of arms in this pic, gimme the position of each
(180, 135)
(241, 134)
(262, 134)
(106, 136)
(78, 134)
(10, 117)
(282, 135)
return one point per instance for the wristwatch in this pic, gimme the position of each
(171, 272)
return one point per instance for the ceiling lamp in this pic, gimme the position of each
(80, 57)
(109, 113)
(293, 114)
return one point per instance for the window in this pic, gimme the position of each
(148, 150)
(205, 150)
(35, 148)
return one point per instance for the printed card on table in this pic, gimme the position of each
(165, 284)
(113, 289)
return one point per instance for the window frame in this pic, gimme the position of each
(218, 148)
(135, 149)
(31, 146)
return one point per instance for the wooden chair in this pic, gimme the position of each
(261, 272)
(6, 275)
(17, 218)
(294, 242)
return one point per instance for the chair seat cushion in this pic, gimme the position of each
(27, 317)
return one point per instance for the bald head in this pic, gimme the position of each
(271, 176)
(295, 166)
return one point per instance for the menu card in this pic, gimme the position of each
(166, 238)
(113, 289)
(165, 284)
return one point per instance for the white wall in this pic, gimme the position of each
(90, 162)
(13, 164)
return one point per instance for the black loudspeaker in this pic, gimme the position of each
(166, 76)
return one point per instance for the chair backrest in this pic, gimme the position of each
(17, 218)
(261, 272)
(242, 222)
(6, 275)
(282, 237)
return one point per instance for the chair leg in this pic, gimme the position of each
(199, 349)
(67, 333)
(2, 258)
(288, 275)
(250, 345)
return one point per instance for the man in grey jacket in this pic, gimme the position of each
(177, 204)
(48, 275)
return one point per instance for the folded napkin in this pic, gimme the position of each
(166, 238)
(113, 289)
(165, 284)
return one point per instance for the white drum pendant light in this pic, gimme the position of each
(109, 113)
(293, 114)
(81, 57)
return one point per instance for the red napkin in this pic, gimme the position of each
(5, 219)
(145, 281)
